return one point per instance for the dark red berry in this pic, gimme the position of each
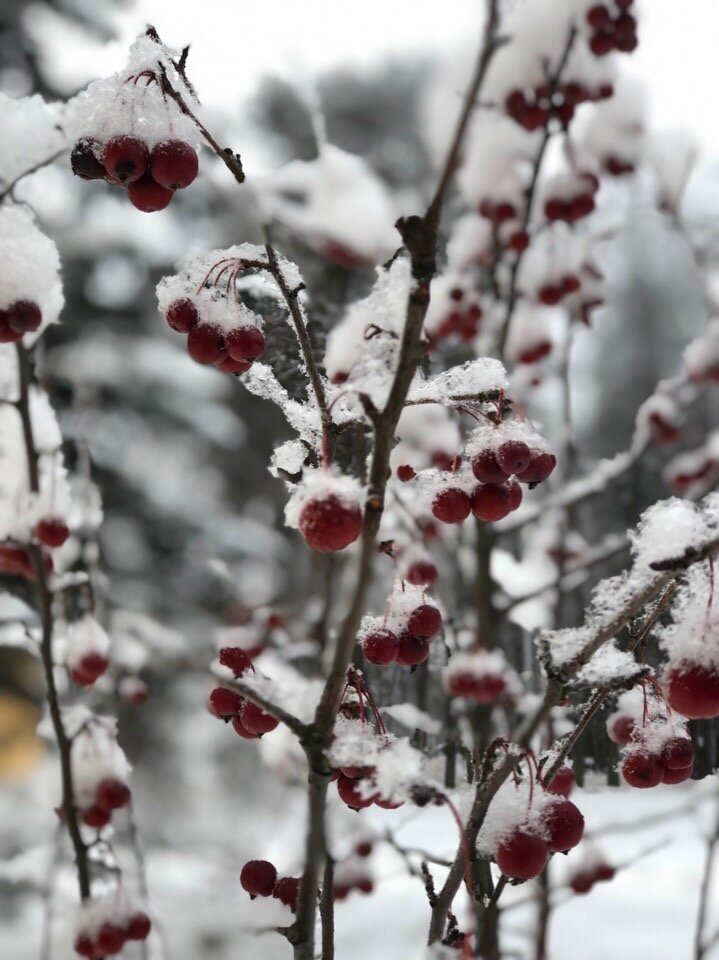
(111, 794)
(598, 16)
(228, 365)
(96, 817)
(173, 164)
(620, 729)
(692, 689)
(601, 43)
(330, 523)
(286, 891)
(110, 940)
(255, 720)
(486, 467)
(85, 947)
(240, 730)
(7, 333)
(412, 650)
(564, 824)
(539, 468)
(424, 622)
(51, 531)
(125, 159)
(678, 753)
(235, 659)
(405, 473)
(246, 343)
(258, 878)
(364, 848)
(182, 315)
(206, 343)
(421, 572)
(147, 195)
(522, 855)
(380, 647)
(88, 669)
(84, 162)
(642, 770)
(138, 927)
(348, 791)
(563, 782)
(451, 505)
(677, 776)
(514, 456)
(224, 703)
(491, 502)
(24, 316)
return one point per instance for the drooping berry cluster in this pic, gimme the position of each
(584, 879)
(480, 675)
(403, 634)
(612, 29)
(100, 773)
(15, 560)
(248, 720)
(106, 924)
(87, 648)
(533, 108)
(259, 878)
(570, 198)
(352, 873)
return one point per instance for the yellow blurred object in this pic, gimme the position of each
(20, 748)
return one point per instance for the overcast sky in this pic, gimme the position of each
(237, 41)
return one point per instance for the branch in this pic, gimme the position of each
(300, 729)
(6, 191)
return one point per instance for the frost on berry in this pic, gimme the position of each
(327, 510)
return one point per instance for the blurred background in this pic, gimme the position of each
(193, 531)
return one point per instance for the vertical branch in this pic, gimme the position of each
(327, 910)
(44, 601)
(700, 945)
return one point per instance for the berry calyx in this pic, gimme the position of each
(642, 770)
(51, 531)
(451, 506)
(330, 523)
(380, 647)
(522, 855)
(182, 315)
(173, 164)
(125, 159)
(424, 622)
(148, 195)
(246, 343)
(258, 878)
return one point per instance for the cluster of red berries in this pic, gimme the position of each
(259, 878)
(691, 471)
(349, 781)
(330, 521)
(499, 470)
(577, 204)
(150, 176)
(533, 109)
(408, 643)
(509, 232)
(112, 937)
(476, 676)
(550, 294)
(89, 668)
(17, 319)
(50, 532)
(463, 318)
(616, 31)
(110, 794)
(643, 768)
(583, 880)
(692, 689)
(349, 878)
(556, 827)
(248, 720)
(231, 352)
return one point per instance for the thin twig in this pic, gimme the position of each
(7, 191)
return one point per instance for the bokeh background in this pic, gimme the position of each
(193, 532)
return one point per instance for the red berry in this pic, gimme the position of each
(601, 44)
(582, 882)
(224, 703)
(88, 669)
(421, 572)
(604, 872)
(246, 343)
(110, 939)
(424, 622)
(206, 343)
(330, 523)
(678, 753)
(364, 848)
(518, 241)
(258, 878)
(380, 647)
(642, 770)
(147, 195)
(692, 689)
(350, 795)
(125, 159)
(255, 720)
(7, 333)
(138, 927)
(173, 164)
(550, 295)
(598, 16)
(514, 456)
(182, 315)
(84, 162)
(515, 494)
(451, 505)
(365, 885)
(620, 729)
(228, 365)
(240, 730)
(564, 824)
(14, 559)
(491, 502)
(539, 468)
(286, 891)
(516, 104)
(111, 794)
(84, 946)
(486, 467)
(96, 817)
(563, 782)
(24, 316)
(405, 473)
(522, 855)
(51, 531)
(235, 659)
(356, 773)
(677, 776)
(535, 353)
(412, 650)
